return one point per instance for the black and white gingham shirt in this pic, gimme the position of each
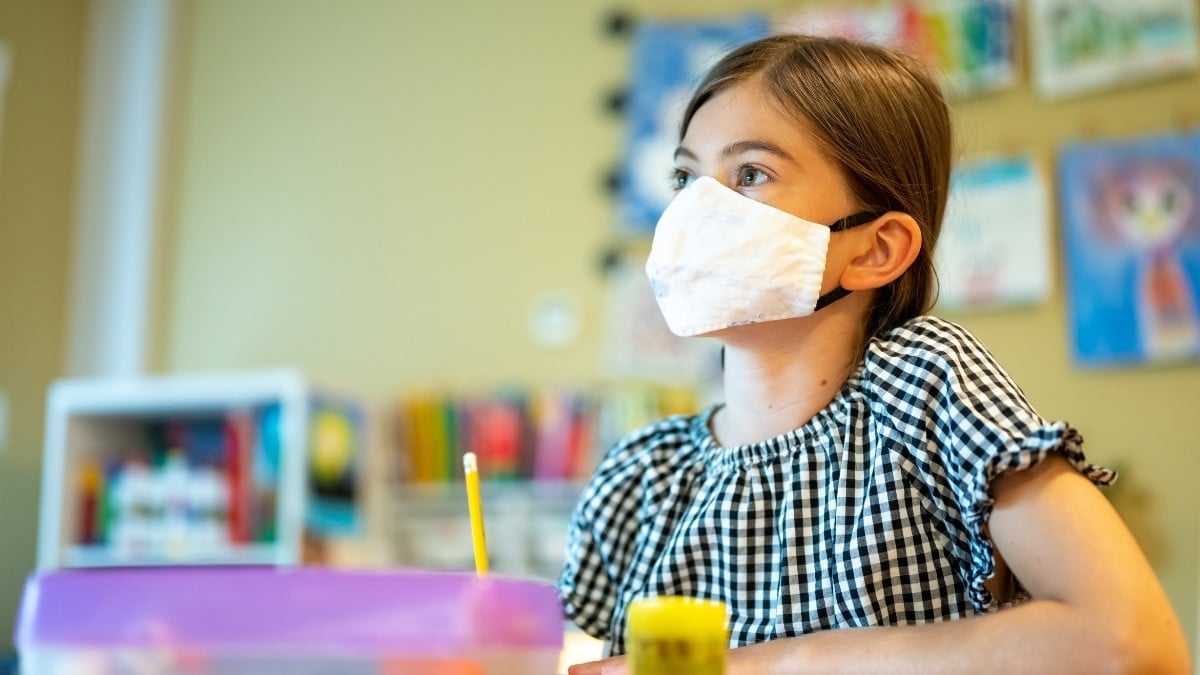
(872, 513)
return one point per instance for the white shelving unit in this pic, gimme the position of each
(91, 420)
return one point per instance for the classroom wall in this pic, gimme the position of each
(37, 173)
(377, 190)
(386, 186)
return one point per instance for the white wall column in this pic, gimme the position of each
(125, 88)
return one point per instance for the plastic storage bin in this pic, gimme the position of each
(270, 621)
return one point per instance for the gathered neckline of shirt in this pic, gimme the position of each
(817, 429)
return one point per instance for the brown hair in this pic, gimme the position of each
(880, 116)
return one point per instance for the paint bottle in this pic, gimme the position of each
(668, 635)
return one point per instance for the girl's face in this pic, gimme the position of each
(739, 138)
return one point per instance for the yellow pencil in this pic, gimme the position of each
(471, 472)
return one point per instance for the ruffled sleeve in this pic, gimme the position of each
(964, 422)
(604, 526)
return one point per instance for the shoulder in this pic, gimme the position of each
(927, 339)
(668, 430)
(653, 442)
(929, 351)
(644, 457)
(933, 370)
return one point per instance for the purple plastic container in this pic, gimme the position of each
(299, 615)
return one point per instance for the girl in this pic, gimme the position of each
(875, 494)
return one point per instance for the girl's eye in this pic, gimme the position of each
(749, 176)
(680, 179)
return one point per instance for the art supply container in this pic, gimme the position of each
(668, 635)
(273, 621)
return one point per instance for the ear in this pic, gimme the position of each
(887, 248)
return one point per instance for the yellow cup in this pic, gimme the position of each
(668, 635)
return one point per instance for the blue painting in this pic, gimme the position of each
(668, 61)
(1131, 220)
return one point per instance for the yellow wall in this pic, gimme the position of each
(376, 190)
(37, 169)
(384, 186)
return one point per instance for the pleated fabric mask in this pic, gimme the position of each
(720, 259)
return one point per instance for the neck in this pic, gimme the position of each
(779, 376)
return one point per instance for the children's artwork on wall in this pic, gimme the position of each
(637, 343)
(994, 249)
(1084, 45)
(337, 446)
(1132, 238)
(969, 42)
(668, 60)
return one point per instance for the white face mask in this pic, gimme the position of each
(720, 259)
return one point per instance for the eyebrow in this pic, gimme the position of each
(737, 148)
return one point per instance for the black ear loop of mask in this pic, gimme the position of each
(860, 218)
(853, 220)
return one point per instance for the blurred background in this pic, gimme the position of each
(429, 204)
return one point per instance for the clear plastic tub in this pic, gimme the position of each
(266, 621)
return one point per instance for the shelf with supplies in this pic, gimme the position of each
(536, 450)
(217, 468)
(525, 523)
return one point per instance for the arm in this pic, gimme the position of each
(1097, 605)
